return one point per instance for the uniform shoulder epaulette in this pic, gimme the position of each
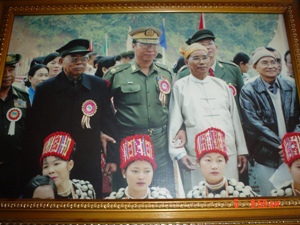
(162, 66)
(119, 68)
(20, 90)
(228, 63)
(184, 67)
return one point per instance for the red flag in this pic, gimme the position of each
(91, 45)
(201, 22)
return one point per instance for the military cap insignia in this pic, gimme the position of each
(13, 115)
(12, 59)
(89, 108)
(149, 32)
(9, 58)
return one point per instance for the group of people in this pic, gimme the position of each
(190, 136)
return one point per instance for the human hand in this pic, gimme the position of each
(281, 152)
(187, 163)
(104, 140)
(180, 139)
(242, 163)
(110, 168)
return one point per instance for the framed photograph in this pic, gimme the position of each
(36, 28)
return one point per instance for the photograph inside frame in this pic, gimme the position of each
(149, 106)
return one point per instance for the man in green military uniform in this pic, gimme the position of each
(141, 93)
(14, 108)
(226, 71)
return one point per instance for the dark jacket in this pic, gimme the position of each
(12, 151)
(57, 106)
(260, 121)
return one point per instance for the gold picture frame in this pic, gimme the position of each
(270, 210)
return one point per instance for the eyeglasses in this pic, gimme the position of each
(147, 46)
(83, 59)
(206, 43)
(272, 63)
(198, 59)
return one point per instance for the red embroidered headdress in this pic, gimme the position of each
(58, 144)
(137, 147)
(210, 140)
(291, 147)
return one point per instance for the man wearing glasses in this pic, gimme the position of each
(279, 61)
(141, 93)
(79, 104)
(270, 109)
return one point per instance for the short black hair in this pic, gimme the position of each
(241, 57)
(271, 49)
(37, 181)
(32, 71)
(288, 52)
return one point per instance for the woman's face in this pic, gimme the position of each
(44, 192)
(198, 62)
(58, 170)
(139, 176)
(295, 171)
(213, 167)
(38, 77)
(244, 67)
(54, 67)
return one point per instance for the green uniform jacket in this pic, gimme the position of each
(138, 98)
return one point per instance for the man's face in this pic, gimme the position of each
(278, 59)
(145, 52)
(289, 64)
(267, 67)
(8, 76)
(210, 45)
(74, 65)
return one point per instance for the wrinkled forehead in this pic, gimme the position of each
(77, 54)
(266, 59)
(12, 66)
(199, 52)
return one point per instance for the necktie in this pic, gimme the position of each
(272, 89)
(211, 72)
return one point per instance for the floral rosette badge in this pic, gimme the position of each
(232, 89)
(13, 115)
(165, 88)
(89, 108)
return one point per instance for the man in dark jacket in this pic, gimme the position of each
(270, 109)
(79, 104)
(14, 109)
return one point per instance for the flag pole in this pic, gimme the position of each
(163, 52)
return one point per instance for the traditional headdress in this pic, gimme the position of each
(259, 53)
(291, 147)
(192, 48)
(210, 140)
(137, 147)
(58, 144)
